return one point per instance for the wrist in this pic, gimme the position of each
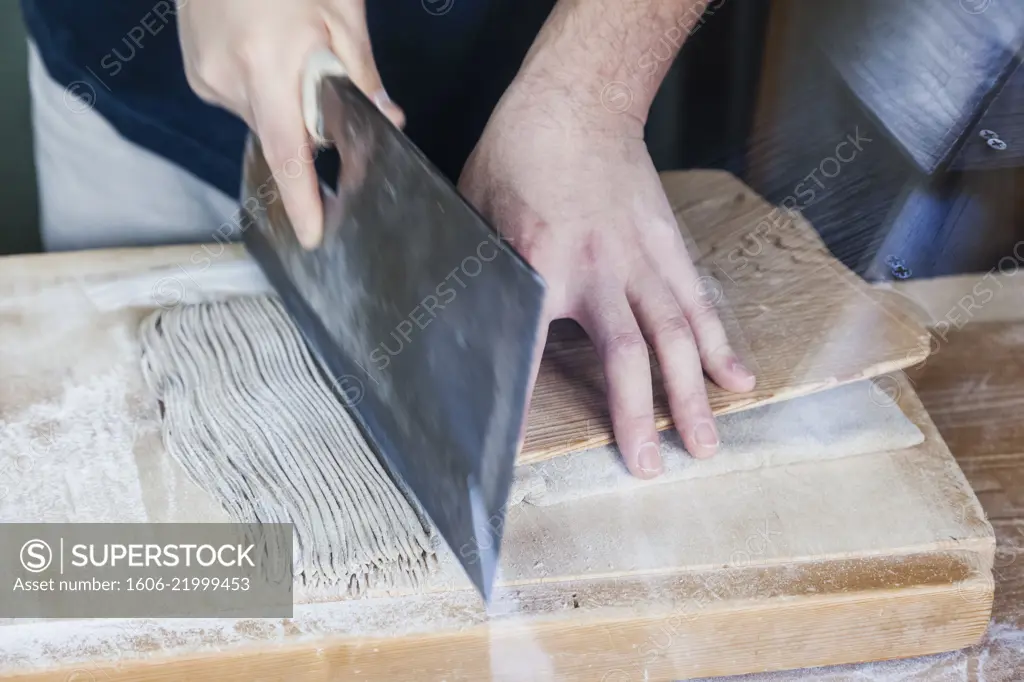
(606, 58)
(577, 100)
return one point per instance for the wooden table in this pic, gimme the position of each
(973, 387)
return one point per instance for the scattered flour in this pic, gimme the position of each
(71, 458)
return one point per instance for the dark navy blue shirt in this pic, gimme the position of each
(446, 70)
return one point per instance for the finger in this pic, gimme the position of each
(611, 326)
(697, 296)
(277, 116)
(350, 41)
(666, 326)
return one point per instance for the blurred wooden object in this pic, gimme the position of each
(1002, 121)
(922, 81)
(925, 70)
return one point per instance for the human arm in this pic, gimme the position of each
(563, 172)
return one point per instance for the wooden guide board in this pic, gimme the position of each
(797, 316)
(872, 557)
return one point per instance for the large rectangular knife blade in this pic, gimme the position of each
(425, 320)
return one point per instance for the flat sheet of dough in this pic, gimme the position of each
(850, 420)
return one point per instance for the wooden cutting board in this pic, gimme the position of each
(878, 556)
(884, 555)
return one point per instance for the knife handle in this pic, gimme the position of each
(321, 64)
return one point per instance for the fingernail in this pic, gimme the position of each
(739, 368)
(384, 103)
(307, 239)
(649, 459)
(388, 107)
(706, 434)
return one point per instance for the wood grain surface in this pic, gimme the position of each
(797, 317)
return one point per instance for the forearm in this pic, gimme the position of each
(611, 54)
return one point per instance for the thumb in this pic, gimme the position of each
(350, 41)
(278, 121)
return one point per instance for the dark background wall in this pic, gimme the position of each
(19, 224)
(767, 89)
